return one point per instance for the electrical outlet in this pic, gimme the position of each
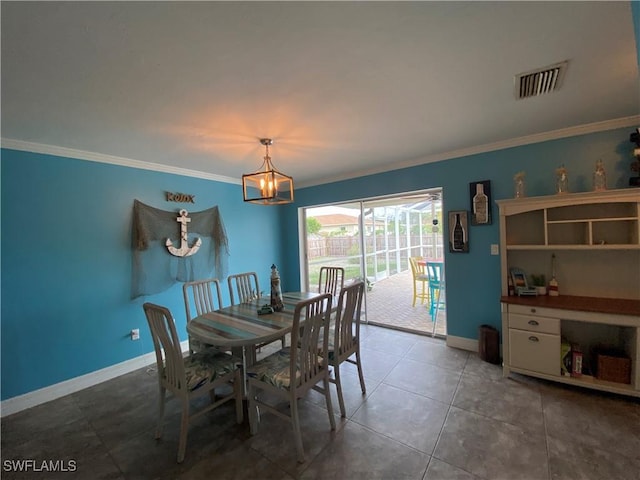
(135, 334)
(495, 249)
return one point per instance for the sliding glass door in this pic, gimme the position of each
(374, 239)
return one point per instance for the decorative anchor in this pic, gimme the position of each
(184, 250)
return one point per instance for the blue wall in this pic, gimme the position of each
(473, 279)
(635, 16)
(66, 261)
(66, 255)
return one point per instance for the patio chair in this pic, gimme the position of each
(290, 373)
(190, 377)
(344, 340)
(420, 280)
(205, 296)
(435, 272)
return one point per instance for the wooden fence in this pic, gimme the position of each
(349, 246)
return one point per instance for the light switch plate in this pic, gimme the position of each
(495, 249)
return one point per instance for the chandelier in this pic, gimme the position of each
(267, 186)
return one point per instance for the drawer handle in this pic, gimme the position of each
(533, 322)
(533, 339)
(533, 310)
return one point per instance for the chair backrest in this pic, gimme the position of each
(416, 268)
(204, 295)
(435, 271)
(308, 360)
(347, 330)
(243, 287)
(165, 338)
(331, 280)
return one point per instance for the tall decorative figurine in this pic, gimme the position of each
(276, 292)
(518, 185)
(562, 180)
(599, 177)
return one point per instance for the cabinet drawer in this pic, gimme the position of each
(534, 324)
(533, 311)
(539, 352)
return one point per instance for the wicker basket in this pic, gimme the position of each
(613, 368)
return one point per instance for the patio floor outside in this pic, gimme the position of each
(389, 304)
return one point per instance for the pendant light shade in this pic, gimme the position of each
(267, 186)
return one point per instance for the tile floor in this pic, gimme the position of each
(431, 412)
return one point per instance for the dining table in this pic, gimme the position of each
(240, 328)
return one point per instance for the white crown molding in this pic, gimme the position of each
(595, 127)
(33, 147)
(52, 392)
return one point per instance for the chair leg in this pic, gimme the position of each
(297, 433)
(163, 394)
(360, 374)
(184, 430)
(254, 414)
(327, 396)
(237, 390)
(434, 315)
(343, 410)
(415, 293)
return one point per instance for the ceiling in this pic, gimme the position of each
(343, 88)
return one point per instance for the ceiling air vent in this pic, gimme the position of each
(540, 81)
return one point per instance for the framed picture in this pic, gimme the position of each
(480, 199)
(458, 232)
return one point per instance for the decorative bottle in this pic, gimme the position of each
(519, 185)
(458, 235)
(599, 177)
(562, 180)
(276, 292)
(480, 205)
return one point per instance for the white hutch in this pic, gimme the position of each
(595, 238)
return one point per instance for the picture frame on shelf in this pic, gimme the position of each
(458, 231)
(480, 202)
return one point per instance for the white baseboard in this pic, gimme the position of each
(462, 343)
(52, 392)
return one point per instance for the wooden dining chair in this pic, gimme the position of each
(205, 297)
(344, 339)
(420, 281)
(244, 288)
(331, 280)
(290, 373)
(189, 377)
